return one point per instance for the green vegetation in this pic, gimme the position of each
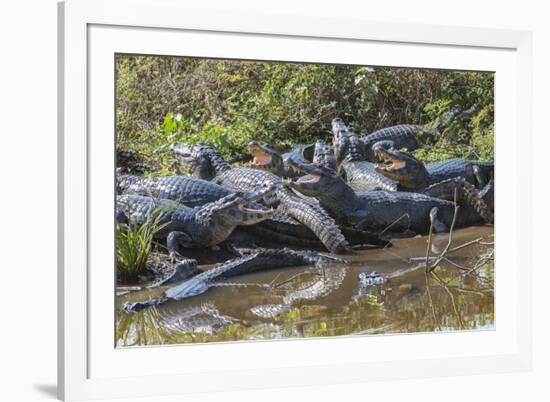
(134, 244)
(229, 103)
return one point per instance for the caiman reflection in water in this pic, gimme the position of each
(307, 302)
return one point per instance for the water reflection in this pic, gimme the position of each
(304, 302)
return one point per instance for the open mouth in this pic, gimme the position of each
(388, 162)
(310, 178)
(261, 158)
(393, 164)
(245, 210)
(381, 154)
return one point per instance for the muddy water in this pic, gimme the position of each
(306, 302)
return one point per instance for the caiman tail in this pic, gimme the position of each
(311, 214)
(467, 195)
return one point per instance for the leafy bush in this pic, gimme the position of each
(178, 129)
(228, 103)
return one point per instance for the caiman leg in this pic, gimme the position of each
(173, 241)
(183, 267)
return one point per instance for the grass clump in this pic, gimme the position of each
(134, 244)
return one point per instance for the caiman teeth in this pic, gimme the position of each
(244, 209)
(288, 181)
(381, 155)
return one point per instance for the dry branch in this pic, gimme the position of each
(444, 252)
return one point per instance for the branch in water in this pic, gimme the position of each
(444, 252)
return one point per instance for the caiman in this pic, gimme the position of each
(193, 192)
(395, 211)
(202, 158)
(266, 158)
(204, 226)
(349, 153)
(413, 136)
(185, 190)
(413, 175)
(260, 259)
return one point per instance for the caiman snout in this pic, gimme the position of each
(181, 149)
(251, 216)
(390, 158)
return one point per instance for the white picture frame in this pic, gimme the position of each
(92, 31)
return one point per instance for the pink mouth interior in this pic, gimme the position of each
(391, 164)
(262, 159)
(309, 179)
(397, 165)
(244, 209)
